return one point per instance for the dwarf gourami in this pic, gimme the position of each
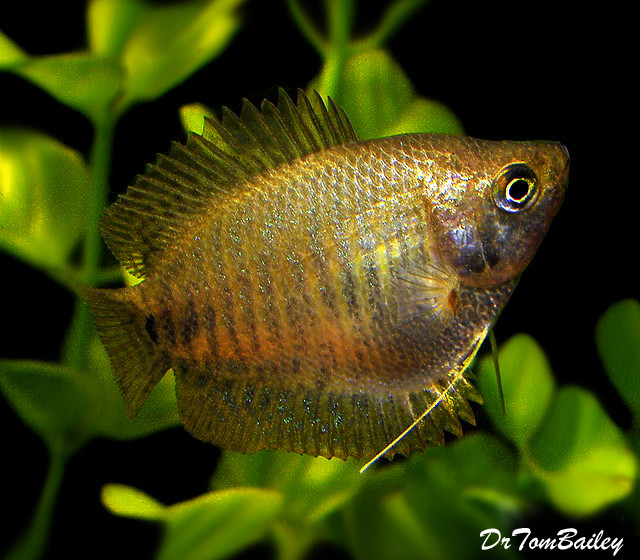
(316, 293)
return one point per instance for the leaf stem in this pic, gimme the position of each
(393, 18)
(66, 276)
(69, 277)
(307, 27)
(340, 19)
(79, 335)
(99, 167)
(110, 274)
(339, 16)
(33, 542)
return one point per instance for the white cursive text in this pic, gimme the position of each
(564, 540)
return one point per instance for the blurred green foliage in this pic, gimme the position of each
(555, 446)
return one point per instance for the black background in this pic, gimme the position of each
(510, 70)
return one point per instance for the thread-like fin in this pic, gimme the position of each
(447, 402)
(145, 221)
(124, 332)
(496, 365)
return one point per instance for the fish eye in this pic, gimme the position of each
(515, 187)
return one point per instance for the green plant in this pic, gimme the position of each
(552, 445)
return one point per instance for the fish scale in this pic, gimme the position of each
(316, 293)
(303, 277)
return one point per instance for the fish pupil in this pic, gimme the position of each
(150, 327)
(518, 190)
(515, 187)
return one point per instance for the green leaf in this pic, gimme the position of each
(81, 80)
(218, 524)
(379, 98)
(110, 23)
(426, 115)
(479, 460)
(54, 401)
(192, 117)
(581, 456)
(477, 474)
(618, 342)
(374, 92)
(366, 531)
(432, 528)
(442, 495)
(416, 538)
(211, 526)
(43, 187)
(65, 406)
(126, 501)
(528, 385)
(139, 51)
(312, 487)
(166, 44)
(395, 15)
(10, 53)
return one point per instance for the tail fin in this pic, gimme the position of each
(137, 364)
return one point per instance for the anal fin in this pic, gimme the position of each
(237, 411)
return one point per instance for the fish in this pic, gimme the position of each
(317, 293)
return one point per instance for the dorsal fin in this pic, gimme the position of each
(161, 202)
